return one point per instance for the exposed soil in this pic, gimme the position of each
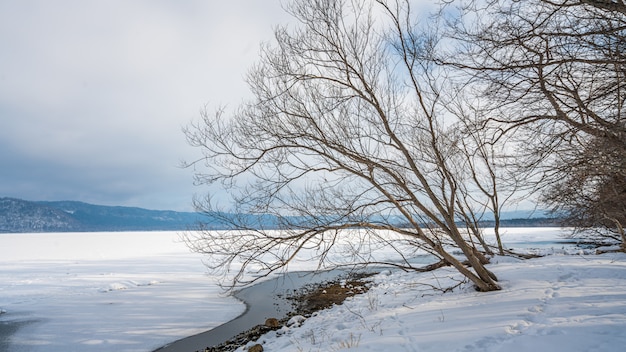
(306, 301)
(329, 294)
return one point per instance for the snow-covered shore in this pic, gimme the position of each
(555, 303)
(139, 291)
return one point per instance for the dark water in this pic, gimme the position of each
(268, 299)
(7, 329)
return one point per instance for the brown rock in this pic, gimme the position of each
(272, 323)
(256, 348)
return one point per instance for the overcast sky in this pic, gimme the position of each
(94, 93)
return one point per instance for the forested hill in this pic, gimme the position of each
(18, 215)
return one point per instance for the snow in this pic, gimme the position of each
(105, 291)
(138, 291)
(555, 303)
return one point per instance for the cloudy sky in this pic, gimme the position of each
(94, 93)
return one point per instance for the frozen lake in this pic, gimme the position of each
(121, 291)
(104, 292)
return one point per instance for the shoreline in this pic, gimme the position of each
(267, 299)
(274, 298)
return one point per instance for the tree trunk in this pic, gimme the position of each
(481, 277)
(486, 280)
(496, 229)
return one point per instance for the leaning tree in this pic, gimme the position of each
(349, 128)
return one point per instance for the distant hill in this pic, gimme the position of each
(524, 218)
(18, 215)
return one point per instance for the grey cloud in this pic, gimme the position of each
(93, 94)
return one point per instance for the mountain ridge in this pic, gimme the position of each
(21, 216)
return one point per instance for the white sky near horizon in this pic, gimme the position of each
(94, 94)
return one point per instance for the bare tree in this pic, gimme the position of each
(484, 165)
(487, 183)
(554, 73)
(592, 193)
(348, 130)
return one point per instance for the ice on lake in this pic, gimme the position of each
(124, 291)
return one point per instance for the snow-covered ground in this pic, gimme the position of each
(138, 291)
(567, 301)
